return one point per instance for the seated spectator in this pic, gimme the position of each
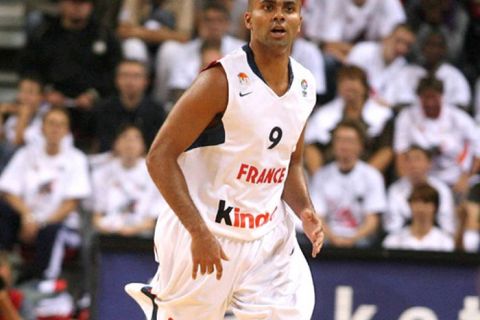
(383, 61)
(13, 304)
(25, 121)
(126, 202)
(214, 22)
(446, 131)
(42, 186)
(75, 57)
(447, 16)
(339, 24)
(354, 196)
(20, 121)
(471, 236)
(146, 23)
(353, 102)
(130, 105)
(417, 166)
(421, 234)
(434, 50)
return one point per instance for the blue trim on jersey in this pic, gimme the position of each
(147, 291)
(256, 70)
(211, 136)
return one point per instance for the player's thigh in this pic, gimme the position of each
(286, 294)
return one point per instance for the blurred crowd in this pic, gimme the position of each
(392, 150)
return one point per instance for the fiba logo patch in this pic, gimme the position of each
(243, 79)
(304, 85)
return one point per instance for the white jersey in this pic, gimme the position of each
(125, 196)
(236, 171)
(345, 199)
(399, 211)
(435, 240)
(44, 181)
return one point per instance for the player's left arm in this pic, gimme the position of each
(297, 197)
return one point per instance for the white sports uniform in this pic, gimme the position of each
(235, 174)
(435, 240)
(125, 196)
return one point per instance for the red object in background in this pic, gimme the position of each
(56, 318)
(475, 9)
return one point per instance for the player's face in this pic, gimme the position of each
(346, 145)
(55, 127)
(423, 211)
(431, 101)
(130, 145)
(29, 93)
(418, 164)
(274, 22)
(131, 79)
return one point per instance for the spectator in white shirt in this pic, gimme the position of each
(421, 234)
(417, 166)
(349, 194)
(43, 184)
(126, 202)
(179, 64)
(339, 24)
(353, 102)
(447, 131)
(383, 61)
(433, 62)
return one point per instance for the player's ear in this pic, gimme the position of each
(300, 25)
(247, 17)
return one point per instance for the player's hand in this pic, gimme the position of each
(313, 229)
(207, 254)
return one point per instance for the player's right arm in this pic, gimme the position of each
(194, 111)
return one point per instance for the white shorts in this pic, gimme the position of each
(267, 278)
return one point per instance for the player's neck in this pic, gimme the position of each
(273, 65)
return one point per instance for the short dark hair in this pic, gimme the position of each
(405, 26)
(356, 125)
(127, 126)
(430, 83)
(133, 61)
(425, 193)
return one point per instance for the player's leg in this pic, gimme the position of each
(280, 286)
(174, 294)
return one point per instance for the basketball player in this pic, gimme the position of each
(228, 161)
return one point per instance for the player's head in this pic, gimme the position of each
(273, 23)
(56, 125)
(352, 83)
(398, 43)
(430, 92)
(418, 163)
(424, 201)
(131, 78)
(348, 140)
(129, 144)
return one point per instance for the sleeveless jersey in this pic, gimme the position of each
(236, 171)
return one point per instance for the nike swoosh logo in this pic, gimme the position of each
(245, 94)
